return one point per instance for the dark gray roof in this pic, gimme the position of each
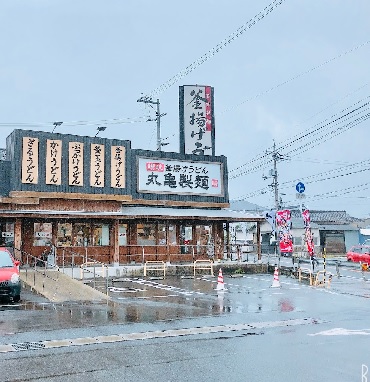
(243, 205)
(326, 217)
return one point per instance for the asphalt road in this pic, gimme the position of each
(181, 329)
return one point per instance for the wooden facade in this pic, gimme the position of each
(73, 193)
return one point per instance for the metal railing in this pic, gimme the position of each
(36, 267)
(88, 269)
(183, 253)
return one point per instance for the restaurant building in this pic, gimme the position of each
(97, 198)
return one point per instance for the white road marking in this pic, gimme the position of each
(153, 334)
(342, 332)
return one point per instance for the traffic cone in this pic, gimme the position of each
(220, 281)
(276, 282)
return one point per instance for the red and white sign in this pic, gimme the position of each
(283, 221)
(308, 234)
(180, 177)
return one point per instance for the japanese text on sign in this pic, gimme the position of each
(118, 166)
(30, 160)
(53, 162)
(97, 165)
(198, 120)
(179, 177)
(76, 163)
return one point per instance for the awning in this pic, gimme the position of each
(189, 213)
(145, 213)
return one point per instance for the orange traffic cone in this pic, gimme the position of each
(276, 282)
(220, 281)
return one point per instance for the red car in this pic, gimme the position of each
(10, 283)
(359, 253)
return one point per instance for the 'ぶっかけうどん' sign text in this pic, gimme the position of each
(180, 177)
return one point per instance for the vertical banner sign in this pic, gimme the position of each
(283, 220)
(97, 165)
(30, 160)
(53, 168)
(118, 154)
(76, 163)
(196, 120)
(308, 233)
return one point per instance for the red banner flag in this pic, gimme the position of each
(307, 232)
(283, 221)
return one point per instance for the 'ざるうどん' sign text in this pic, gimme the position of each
(180, 177)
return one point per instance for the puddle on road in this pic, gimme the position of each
(145, 300)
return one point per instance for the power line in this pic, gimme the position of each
(205, 57)
(295, 77)
(114, 121)
(327, 131)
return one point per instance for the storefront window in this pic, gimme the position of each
(81, 235)
(64, 235)
(162, 236)
(42, 234)
(186, 237)
(6, 234)
(172, 235)
(146, 234)
(122, 234)
(100, 234)
(204, 235)
(297, 240)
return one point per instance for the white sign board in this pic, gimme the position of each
(197, 120)
(180, 177)
(300, 196)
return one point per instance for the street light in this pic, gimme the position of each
(55, 125)
(100, 128)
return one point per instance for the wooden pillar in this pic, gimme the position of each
(18, 239)
(259, 240)
(115, 242)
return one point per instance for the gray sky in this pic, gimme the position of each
(302, 68)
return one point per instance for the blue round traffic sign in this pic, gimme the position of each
(300, 187)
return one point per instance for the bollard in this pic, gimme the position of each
(337, 269)
(324, 254)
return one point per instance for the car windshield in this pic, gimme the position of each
(5, 260)
(361, 249)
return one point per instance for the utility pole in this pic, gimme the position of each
(273, 173)
(149, 100)
(275, 183)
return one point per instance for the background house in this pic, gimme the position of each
(336, 231)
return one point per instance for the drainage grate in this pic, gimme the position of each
(28, 346)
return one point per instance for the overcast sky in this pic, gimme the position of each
(302, 69)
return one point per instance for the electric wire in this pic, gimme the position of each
(205, 57)
(235, 106)
(315, 137)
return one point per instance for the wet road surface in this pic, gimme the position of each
(181, 329)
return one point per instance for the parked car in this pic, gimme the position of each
(359, 253)
(10, 283)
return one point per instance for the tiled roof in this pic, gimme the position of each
(326, 217)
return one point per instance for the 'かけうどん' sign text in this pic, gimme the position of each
(180, 177)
